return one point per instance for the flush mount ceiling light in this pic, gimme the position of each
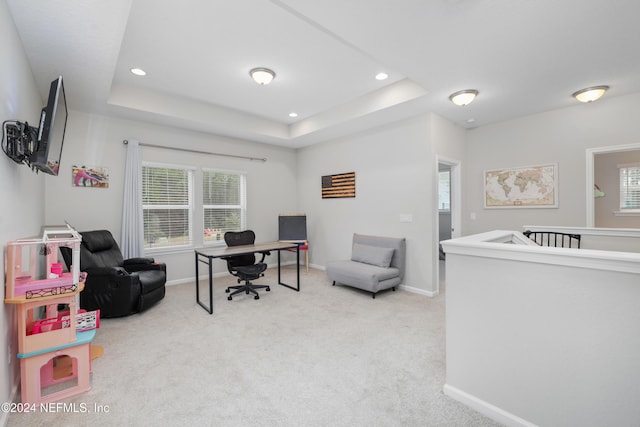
(590, 94)
(262, 76)
(463, 97)
(138, 72)
(382, 76)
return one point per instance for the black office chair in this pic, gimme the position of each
(244, 267)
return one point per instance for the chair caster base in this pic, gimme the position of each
(229, 298)
(256, 297)
(268, 289)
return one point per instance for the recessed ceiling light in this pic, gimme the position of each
(590, 94)
(382, 76)
(293, 114)
(138, 72)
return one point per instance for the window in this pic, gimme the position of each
(167, 206)
(223, 203)
(444, 190)
(630, 187)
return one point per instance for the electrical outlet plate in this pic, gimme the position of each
(406, 218)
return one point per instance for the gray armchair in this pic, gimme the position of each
(376, 264)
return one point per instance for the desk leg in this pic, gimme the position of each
(298, 267)
(297, 288)
(197, 280)
(279, 279)
(200, 303)
(210, 286)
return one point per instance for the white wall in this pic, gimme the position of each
(96, 140)
(21, 191)
(560, 136)
(448, 139)
(543, 336)
(396, 174)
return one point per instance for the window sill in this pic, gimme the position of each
(630, 212)
(168, 250)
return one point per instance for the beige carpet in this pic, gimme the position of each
(326, 356)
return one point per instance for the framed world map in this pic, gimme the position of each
(522, 187)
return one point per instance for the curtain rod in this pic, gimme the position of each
(262, 159)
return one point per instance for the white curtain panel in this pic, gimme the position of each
(131, 241)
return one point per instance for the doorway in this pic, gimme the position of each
(448, 211)
(594, 156)
(444, 206)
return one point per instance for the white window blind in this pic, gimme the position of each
(167, 205)
(629, 187)
(223, 202)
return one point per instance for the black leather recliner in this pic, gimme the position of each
(115, 286)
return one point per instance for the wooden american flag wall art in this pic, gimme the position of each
(339, 185)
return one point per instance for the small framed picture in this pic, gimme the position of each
(90, 176)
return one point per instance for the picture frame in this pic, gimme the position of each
(521, 187)
(338, 186)
(89, 176)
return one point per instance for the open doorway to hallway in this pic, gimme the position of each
(448, 210)
(444, 205)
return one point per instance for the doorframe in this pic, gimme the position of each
(590, 178)
(455, 207)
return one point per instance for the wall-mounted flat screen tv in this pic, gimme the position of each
(53, 123)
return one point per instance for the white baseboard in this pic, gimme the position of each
(403, 287)
(205, 277)
(411, 289)
(485, 408)
(192, 279)
(4, 416)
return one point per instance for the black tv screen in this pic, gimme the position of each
(292, 227)
(53, 123)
